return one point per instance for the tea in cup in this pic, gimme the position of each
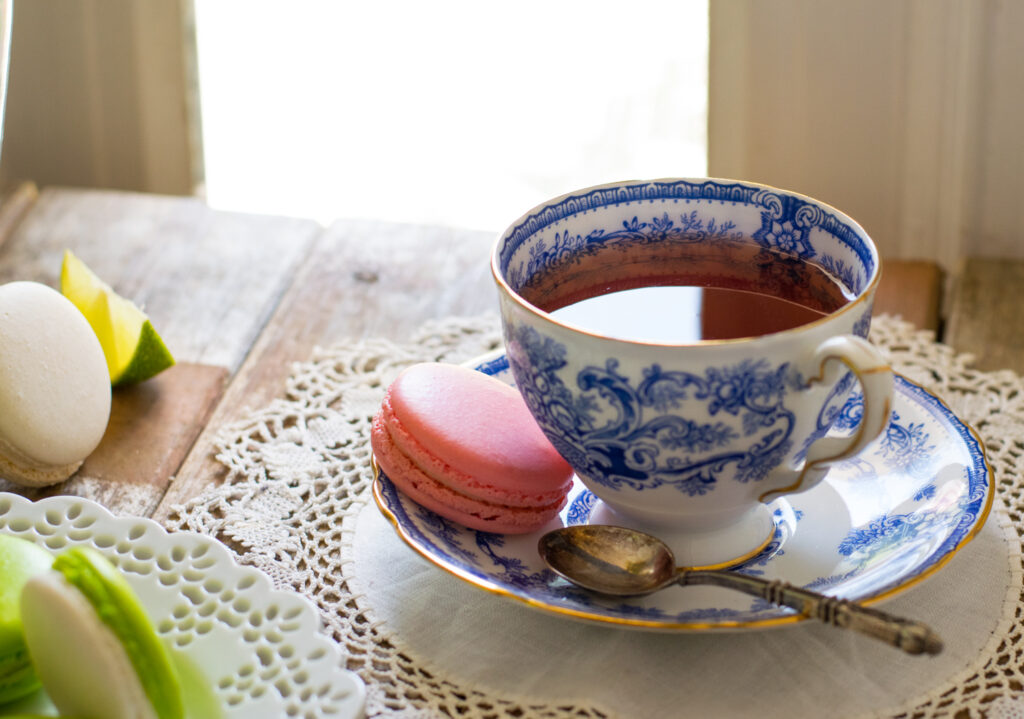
(686, 345)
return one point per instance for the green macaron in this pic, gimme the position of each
(20, 560)
(93, 645)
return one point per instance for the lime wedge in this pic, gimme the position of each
(134, 350)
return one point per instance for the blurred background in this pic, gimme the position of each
(904, 113)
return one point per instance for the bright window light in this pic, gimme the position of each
(450, 111)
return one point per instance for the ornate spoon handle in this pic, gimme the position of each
(910, 636)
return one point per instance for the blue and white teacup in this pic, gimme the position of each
(690, 440)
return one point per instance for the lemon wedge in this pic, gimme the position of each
(134, 350)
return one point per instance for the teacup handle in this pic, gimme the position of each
(876, 380)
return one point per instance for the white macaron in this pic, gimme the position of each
(54, 385)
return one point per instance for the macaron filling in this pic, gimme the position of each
(16, 464)
(17, 677)
(114, 602)
(20, 560)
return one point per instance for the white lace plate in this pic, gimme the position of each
(259, 651)
(877, 524)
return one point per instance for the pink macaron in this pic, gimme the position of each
(464, 445)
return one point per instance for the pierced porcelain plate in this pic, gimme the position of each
(244, 648)
(875, 526)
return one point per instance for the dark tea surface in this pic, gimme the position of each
(680, 293)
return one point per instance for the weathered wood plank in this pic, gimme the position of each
(361, 279)
(209, 280)
(152, 426)
(986, 316)
(911, 289)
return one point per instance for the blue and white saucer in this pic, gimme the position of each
(877, 524)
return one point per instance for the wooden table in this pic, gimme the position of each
(238, 298)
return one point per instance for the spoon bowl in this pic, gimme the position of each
(609, 560)
(625, 562)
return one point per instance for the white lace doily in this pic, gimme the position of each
(299, 474)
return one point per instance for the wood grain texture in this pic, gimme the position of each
(207, 279)
(911, 289)
(986, 316)
(361, 279)
(152, 426)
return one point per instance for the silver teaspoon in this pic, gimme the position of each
(626, 562)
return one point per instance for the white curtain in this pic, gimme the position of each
(905, 114)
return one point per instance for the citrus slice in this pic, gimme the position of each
(134, 350)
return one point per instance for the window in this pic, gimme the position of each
(450, 111)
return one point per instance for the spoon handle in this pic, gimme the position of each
(908, 635)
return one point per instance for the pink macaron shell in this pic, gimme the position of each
(483, 488)
(480, 427)
(446, 502)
